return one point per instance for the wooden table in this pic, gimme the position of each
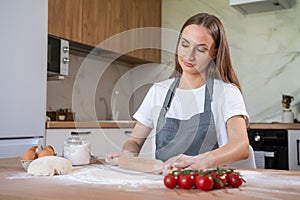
(15, 183)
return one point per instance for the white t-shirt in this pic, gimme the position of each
(227, 102)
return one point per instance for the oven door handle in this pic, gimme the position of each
(270, 154)
(81, 132)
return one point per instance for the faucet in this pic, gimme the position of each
(115, 113)
(107, 116)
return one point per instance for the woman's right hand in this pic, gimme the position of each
(112, 158)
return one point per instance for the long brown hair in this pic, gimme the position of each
(222, 66)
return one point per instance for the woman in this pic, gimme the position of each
(198, 114)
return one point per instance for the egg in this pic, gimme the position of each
(50, 149)
(29, 155)
(33, 148)
(45, 152)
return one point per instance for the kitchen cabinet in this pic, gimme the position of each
(65, 19)
(116, 138)
(91, 22)
(104, 140)
(96, 137)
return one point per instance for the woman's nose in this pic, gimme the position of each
(190, 54)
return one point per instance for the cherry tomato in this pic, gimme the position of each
(219, 180)
(171, 181)
(204, 182)
(186, 181)
(234, 180)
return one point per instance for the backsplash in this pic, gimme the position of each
(91, 98)
(100, 88)
(265, 51)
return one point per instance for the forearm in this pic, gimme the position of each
(131, 147)
(224, 155)
(135, 142)
(216, 158)
(237, 147)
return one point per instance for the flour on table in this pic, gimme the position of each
(103, 174)
(271, 182)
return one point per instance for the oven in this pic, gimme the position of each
(270, 148)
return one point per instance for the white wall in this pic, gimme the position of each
(265, 50)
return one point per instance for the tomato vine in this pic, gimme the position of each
(204, 179)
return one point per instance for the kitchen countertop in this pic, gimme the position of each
(98, 124)
(130, 124)
(15, 183)
(288, 126)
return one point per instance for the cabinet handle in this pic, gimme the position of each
(127, 132)
(298, 152)
(81, 133)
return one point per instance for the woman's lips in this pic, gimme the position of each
(188, 64)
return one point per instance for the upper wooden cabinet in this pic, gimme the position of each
(110, 24)
(65, 19)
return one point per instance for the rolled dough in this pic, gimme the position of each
(49, 166)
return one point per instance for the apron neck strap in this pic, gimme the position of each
(208, 93)
(171, 93)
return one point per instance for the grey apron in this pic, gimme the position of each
(190, 137)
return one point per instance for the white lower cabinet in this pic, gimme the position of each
(96, 138)
(102, 140)
(117, 137)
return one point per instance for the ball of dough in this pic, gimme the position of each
(49, 166)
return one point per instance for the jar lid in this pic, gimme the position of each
(76, 140)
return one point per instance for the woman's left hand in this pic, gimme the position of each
(186, 162)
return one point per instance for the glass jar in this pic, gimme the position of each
(287, 116)
(77, 150)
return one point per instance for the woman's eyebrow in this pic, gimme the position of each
(202, 45)
(185, 39)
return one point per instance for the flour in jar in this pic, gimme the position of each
(77, 150)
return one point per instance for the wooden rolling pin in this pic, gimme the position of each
(141, 164)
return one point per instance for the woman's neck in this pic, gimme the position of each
(191, 81)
